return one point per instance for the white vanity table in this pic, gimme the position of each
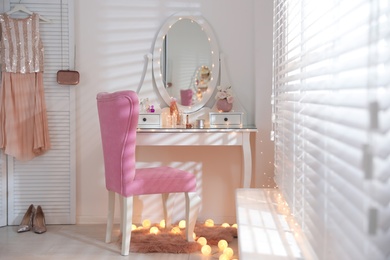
(184, 47)
(203, 137)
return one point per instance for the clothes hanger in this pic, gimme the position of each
(23, 8)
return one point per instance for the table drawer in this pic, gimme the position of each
(149, 120)
(225, 119)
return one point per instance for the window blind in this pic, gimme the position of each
(331, 105)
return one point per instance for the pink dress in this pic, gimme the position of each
(23, 121)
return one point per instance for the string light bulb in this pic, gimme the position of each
(146, 223)
(202, 241)
(182, 224)
(162, 223)
(223, 257)
(228, 252)
(222, 244)
(209, 223)
(176, 230)
(225, 225)
(206, 250)
(154, 230)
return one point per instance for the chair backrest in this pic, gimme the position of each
(118, 116)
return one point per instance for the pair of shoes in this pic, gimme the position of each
(33, 219)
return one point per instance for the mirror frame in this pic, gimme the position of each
(215, 62)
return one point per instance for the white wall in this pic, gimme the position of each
(263, 81)
(112, 38)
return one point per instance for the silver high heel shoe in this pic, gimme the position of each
(39, 224)
(27, 220)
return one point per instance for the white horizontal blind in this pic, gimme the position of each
(49, 180)
(332, 122)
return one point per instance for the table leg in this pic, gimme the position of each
(247, 161)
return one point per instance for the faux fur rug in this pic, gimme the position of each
(167, 242)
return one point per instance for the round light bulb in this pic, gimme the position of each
(154, 230)
(206, 250)
(133, 227)
(146, 223)
(234, 225)
(202, 241)
(209, 223)
(182, 224)
(222, 244)
(162, 223)
(223, 257)
(176, 230)
(229, 252)
(225, 225)
(193, 235)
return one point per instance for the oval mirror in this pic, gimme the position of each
(186, 62)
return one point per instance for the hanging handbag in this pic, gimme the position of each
(68, 77)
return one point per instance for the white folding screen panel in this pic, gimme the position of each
(332, 122)
(3, 191)
(49, 180)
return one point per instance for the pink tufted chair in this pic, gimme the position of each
(118, 116)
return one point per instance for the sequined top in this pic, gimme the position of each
(21, 46)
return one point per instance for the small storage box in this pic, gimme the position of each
(149, 120)
(226, 119)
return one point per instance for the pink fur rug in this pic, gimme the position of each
(167, 242)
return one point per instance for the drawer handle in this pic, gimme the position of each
(144, 119)
(225, 119)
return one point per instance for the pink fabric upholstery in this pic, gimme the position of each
(118, 116)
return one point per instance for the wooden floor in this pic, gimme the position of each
(73, 242)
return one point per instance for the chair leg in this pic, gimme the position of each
(193, 203)
(127, 217)
(167, 213)
(121, 215)
(110, 217)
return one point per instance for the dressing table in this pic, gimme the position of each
(184, 51)
(203, 137)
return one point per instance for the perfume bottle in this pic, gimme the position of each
(188, 125)
(174, 111)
